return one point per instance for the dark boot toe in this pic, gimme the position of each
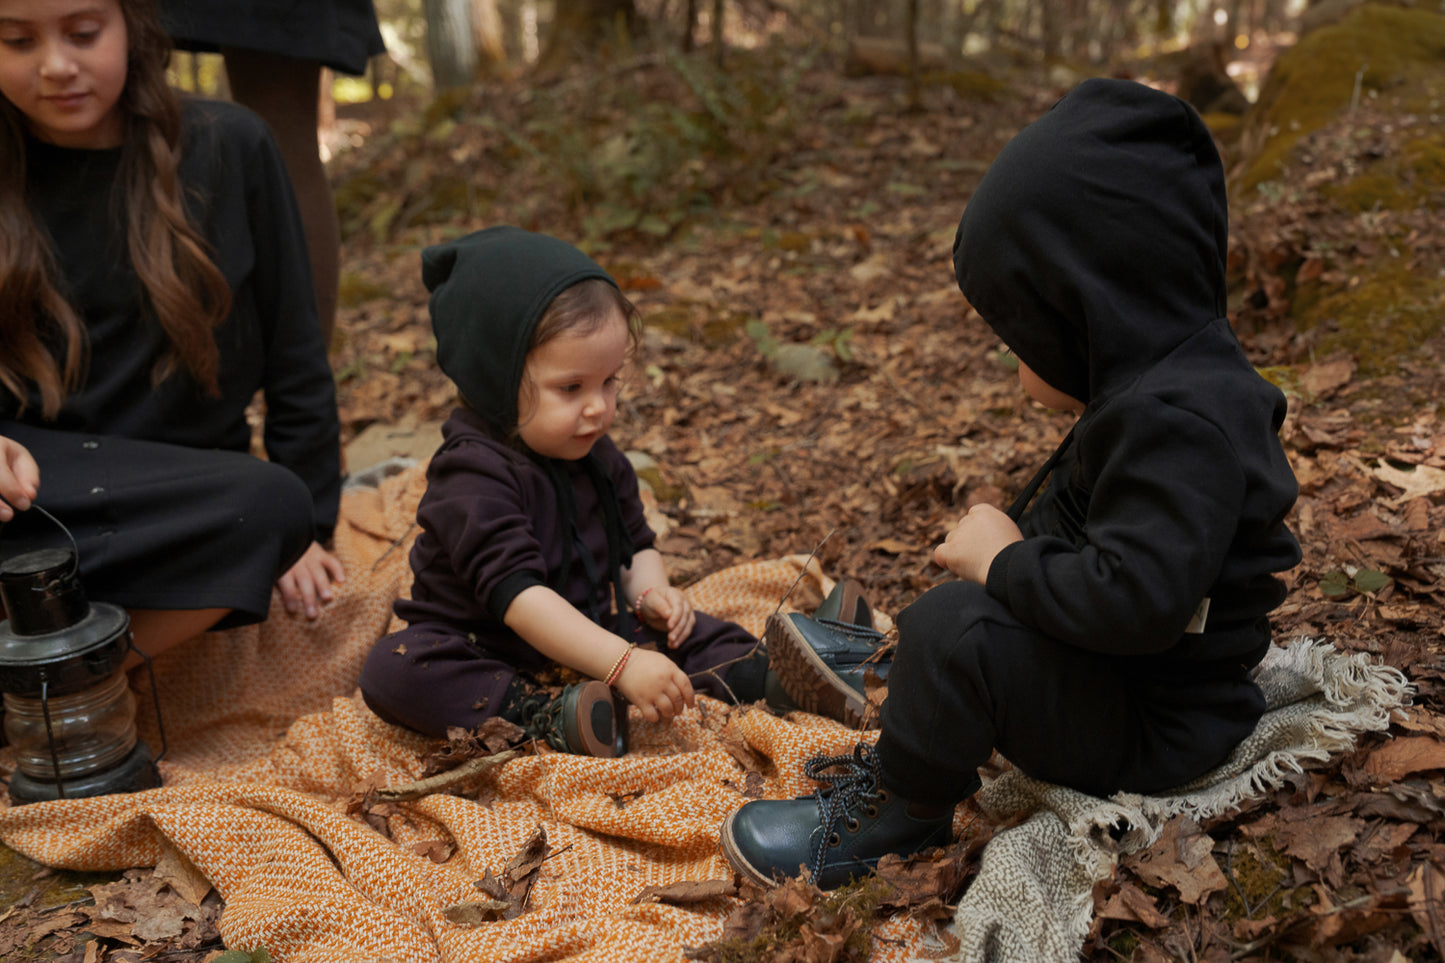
(769, 839)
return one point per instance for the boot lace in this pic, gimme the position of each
(543, 720)
(852, 629)
(856, 782)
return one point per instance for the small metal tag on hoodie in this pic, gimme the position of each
(1201, 615)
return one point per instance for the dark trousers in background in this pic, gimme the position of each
(430, 676)
(969, 678)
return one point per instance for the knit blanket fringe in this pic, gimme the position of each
(1033, 897)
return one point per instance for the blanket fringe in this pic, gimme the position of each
(1319, 701)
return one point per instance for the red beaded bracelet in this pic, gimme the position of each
(620, 664)
(637, 602)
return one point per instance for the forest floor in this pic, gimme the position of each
(812, 381)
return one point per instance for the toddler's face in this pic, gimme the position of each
(569, 391)
(63, 65)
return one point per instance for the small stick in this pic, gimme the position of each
(442, 782)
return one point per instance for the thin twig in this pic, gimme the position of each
(396, 543)
(442, 782)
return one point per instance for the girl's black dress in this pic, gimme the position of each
(156, 480)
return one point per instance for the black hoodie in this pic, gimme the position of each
(1095, 248)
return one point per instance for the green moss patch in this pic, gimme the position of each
(1384, 317)
(1375, 50)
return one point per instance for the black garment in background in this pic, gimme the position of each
(165, 526)
(427, 677)
(1095, 249)
(968, 678)
(175, 504)
(493, 525)
(341, 34)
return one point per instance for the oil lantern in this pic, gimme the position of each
(69, 710)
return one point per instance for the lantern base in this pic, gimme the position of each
(135, 772)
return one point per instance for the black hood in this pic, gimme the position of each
(488, 291)
(1050, 250)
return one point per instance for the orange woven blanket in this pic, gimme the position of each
(268, 739)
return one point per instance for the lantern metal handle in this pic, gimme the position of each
(74, 546)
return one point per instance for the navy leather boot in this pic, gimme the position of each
(838, 833)
(820, 661)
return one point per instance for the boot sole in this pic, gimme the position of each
(807, 678)
(581, 732)
(737, 860)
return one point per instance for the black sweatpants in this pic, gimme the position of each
(430, 676)
(968, 678)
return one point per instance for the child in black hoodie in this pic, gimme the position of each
(1105, 641)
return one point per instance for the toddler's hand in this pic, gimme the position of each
(307, 584)
(653, 683)
(668, 609)
(19, 478)
(969, 549)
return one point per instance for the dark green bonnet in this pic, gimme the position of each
(488, 291)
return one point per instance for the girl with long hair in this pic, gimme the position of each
(153, 279)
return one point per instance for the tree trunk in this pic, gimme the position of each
(718, 46)
(488, 37)
(689, 25)
(450, 44)
(583, 26)
(914, 81)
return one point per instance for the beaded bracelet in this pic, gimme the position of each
(620, 664)
(637, 602)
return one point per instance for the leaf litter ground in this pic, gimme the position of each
(811, 381)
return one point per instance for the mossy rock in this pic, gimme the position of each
(1392, 51)
(1384, 317)
(1405, 179)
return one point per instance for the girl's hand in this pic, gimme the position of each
(19, 478)
(667, 609)
(307, 584)
(969, 549)
(653, 683)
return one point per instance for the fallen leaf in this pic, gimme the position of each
(1133, 905)
(687, 891)
(893, 546)
(1324, 379)
(474, 912)
(1417, 482)
(1181, 857)
(178, 872)
(436, 850)
(1401, 757)
(164, 923)
(1316, 840)
(804, 362)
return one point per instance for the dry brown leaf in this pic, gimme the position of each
(1420, 719)
(1181, 857)
(1133, 905)
(436, 850)
(1421, 481)
(1405, 756)
(1316, 840)
(474, 912)
(178, 872)
(1324, 379)
(687, 891)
